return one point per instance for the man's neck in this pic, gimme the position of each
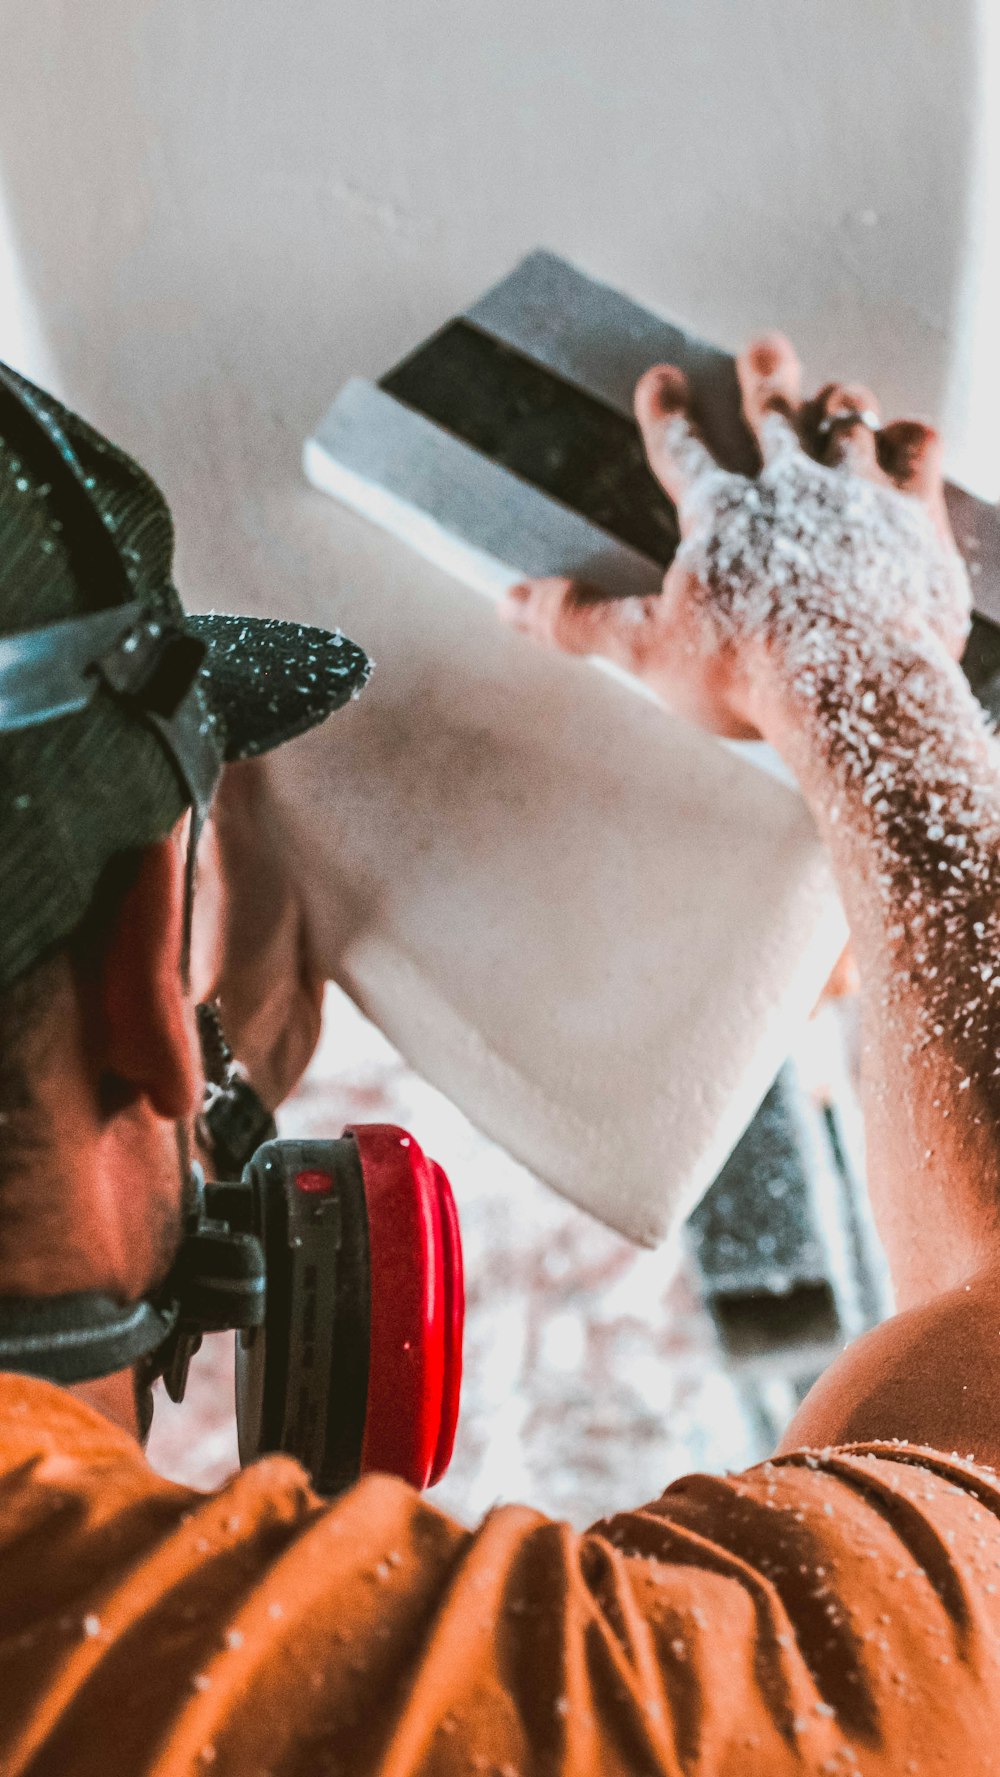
(114, 1396)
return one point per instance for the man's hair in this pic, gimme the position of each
(25, 1027)
(27, 1017)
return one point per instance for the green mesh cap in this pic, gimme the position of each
(82, 529)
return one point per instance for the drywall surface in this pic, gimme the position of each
(289, 195)
(217, 212)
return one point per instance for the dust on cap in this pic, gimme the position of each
(84, 530)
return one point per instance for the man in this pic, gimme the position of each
(836, 1610)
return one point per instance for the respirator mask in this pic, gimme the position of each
(339, 1266)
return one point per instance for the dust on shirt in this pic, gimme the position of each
(833, 1612)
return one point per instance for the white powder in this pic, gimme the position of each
(854, 595)
(806, 548)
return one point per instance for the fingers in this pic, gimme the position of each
(910, 454)
(577, 620)
(678, 455)
(770, 379)
(842, 424)
(659, 640)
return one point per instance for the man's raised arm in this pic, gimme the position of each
(823, 605)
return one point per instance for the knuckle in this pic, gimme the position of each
(913, 435)
(848, 398)
(860, 396)
(562, 620)
(775, 401)
(769, 355)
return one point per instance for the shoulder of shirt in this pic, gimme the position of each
(37, 1418)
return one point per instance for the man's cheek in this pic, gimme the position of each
(208, 921)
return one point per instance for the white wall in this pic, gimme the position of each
(280, 195)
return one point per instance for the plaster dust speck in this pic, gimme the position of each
(283, 201)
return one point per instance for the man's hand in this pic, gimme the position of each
(845, 523)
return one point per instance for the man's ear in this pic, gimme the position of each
(149, 1038)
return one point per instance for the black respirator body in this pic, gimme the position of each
(339, 1266)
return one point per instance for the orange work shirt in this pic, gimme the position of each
(834, 1612)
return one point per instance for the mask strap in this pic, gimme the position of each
(80, 1337)
(195, 831)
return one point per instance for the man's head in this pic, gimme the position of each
(117, 711)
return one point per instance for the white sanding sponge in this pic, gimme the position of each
(597, 929)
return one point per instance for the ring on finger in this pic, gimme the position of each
(849, 416)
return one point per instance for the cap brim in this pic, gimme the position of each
(268, 681)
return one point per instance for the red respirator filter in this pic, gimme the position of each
(358, 1365)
